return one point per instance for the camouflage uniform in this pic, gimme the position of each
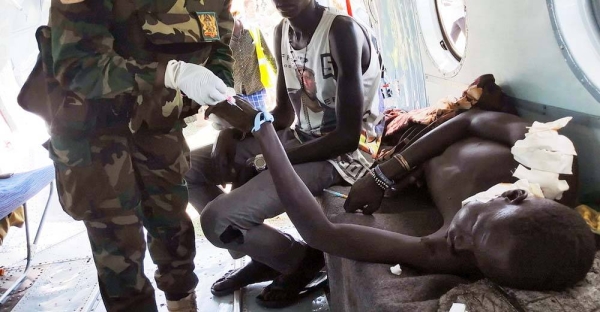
(116, 137)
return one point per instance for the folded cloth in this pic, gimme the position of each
(15, 218)
(483, 93)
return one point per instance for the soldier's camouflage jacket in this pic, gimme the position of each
(105, 53)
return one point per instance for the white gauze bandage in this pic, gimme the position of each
(547, 153)
(495, 191)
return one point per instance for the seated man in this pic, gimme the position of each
(328, 80)
(514, 238)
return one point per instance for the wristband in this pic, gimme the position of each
(382, 177)
(260, 119)
(379, 183)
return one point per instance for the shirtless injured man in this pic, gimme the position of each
(503, 186)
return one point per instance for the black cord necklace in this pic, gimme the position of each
(301, 79)
(304, 59)
(304, 92)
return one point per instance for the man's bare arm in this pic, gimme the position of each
(356, 242)
(499, 127)
(283, 111)
(346, 43)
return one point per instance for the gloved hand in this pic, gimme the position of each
(223, 155)
(196, 81)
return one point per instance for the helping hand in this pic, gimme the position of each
(223, 155)
(196, 81)
(366, 195)
(239, 115)
(245, 174)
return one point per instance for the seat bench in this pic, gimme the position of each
(361, 286)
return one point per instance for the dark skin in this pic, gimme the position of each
(473, 239)
(351, 56)
(474, 141)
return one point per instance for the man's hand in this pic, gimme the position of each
(223, 154)
(239, 115)
(365, 194)
(245, 174)
(197, 82)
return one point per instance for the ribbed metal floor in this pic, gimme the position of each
(63, 277)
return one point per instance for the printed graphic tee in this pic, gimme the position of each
(312, 87)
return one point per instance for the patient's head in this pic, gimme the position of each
(527, 243)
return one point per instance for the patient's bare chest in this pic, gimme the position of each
(467, 167)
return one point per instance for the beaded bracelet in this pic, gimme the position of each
(379, 183)
(384, 186)
(382, 177)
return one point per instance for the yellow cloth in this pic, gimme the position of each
(591, 216)
(16, 218)
(267, 72)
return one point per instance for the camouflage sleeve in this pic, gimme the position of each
(221, 60)
(82, 50)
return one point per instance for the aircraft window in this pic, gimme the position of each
(452, 18)
(577, 29)
(443, 30)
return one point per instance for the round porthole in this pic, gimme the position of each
(444, 30)
(576, 25)
(452, 19)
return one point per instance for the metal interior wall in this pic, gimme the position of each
(513, 40)
(398, 38)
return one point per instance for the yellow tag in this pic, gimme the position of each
(591, 217)
(70, 1)
(210, 29)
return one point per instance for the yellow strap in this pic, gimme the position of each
(267, 72)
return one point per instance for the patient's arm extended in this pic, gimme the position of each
(346, 240)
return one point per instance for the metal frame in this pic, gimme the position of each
(447, 42)
(431, 33)
(30, 247)
(590, 83)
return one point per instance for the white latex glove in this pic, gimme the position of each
(197, 82)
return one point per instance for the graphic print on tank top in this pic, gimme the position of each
(311, 84)
(314, 116)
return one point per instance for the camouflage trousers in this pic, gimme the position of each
(118, 184)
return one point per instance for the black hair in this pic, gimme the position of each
(553, 248)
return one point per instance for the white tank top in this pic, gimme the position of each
(314, 96)
(315, 106)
